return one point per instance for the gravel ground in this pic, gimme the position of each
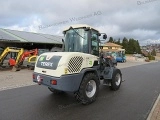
(9, 79)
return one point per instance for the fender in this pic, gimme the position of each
(108, 72)
(92, 69)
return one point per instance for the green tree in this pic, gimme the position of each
(111, 40)
(153, 52)
(138, 48)
(118, 41)
(125, 44)
(133, 46)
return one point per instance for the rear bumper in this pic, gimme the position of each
(68, 83)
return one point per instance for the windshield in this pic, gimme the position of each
(76, 41)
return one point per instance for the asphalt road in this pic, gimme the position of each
(133, 101)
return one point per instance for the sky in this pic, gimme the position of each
(139, 20)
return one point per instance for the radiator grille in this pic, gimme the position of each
(75, 64)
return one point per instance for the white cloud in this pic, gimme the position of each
(118, 19)
(32, 27)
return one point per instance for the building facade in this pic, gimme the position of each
(28, 40)
(109, 47)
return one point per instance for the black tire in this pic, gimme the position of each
(30, 68)
(116, 80)
(55, 91)
(88, 89)
(115, 64)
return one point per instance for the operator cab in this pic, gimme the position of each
(82, 38)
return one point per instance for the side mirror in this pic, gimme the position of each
(62, 41)
(104, 36)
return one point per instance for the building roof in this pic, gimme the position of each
(109, 44)
(6, 37)
(22, 36)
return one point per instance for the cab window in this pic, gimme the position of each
(94, 44)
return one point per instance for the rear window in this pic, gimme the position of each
(48, 62)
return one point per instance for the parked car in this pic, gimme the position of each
(138, 55)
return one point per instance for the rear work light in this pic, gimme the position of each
(53, 82)
(39, 79)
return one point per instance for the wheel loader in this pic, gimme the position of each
(79, 68)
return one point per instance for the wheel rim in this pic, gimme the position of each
(118, 79)
(91, 88)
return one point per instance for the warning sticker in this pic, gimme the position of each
(41, 58)
(90, 62)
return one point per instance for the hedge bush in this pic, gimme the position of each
(150, 57)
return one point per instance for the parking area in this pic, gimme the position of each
(9, 79)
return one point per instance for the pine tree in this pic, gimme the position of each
(119, 42)
(125, 44)
(131, 46)
(111, 40)
(139, 48)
